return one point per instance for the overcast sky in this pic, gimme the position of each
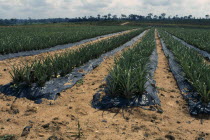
(75, 8)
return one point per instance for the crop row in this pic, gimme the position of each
(196, 70)
(43, 70)
(199, 38)
(128, 76)
(17, 39)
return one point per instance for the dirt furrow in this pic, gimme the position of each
(125, 23)
(6, 65)
(177, 121)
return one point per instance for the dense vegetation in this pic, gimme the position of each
(197, 37)
(128, 77)
(20, 38)
(196, 70)
(150, 18)
(43, 70)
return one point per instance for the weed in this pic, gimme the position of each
(7, 137)
(79, 132)
(80, 82)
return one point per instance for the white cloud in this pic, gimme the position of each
(75, 8)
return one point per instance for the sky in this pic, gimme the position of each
(38, 9)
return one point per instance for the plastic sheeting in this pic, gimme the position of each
(205, 54)
(58, 47)
(53, 87)
(150, 97)
(194, 100)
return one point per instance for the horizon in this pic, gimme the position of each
(39, 9)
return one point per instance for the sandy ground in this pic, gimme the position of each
(60, 118)
(125, 23)
(6, 65)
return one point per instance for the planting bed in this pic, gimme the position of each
(205, 54)
(56, 85)
(43, 70)
(55, 48)
(191, 72)
(19, 39)
(130, 82)
(6, 65)
(197, 37)
(59, 119)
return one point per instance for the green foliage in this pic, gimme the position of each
(43, 70)
(26, 38)
(197, 37)
(128, 77)
(7, 137)
(193, 65)
(80, 82)
(79, 132)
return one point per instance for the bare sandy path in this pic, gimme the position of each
(125, 23)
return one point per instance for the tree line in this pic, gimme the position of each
(132, 17)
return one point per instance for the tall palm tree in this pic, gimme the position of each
(109, 16)
(155, 17)
(163, 15)
(123, 16)
(190, 16)
(150, 15)
(99, 16)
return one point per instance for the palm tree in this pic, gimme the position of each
(190, 16)
(163, 15)
(99, 16)
(114, 16)
(105, 16)
(109, 16)
(150, 15)
(123, 16)
(155, 17)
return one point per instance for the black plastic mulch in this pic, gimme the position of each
(150, 97)
(50, 49)
(205, 54)
(53, 87)
(196, 106)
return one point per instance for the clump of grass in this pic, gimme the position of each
(7, 137)
(79, 132)
(160, 88)
(128, 76)
(80, 82)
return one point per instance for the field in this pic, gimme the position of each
(17, 39)
(132, 82)
(196, 37)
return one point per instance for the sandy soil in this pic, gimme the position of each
(6, 65)
(60, 118)
(125, 23)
